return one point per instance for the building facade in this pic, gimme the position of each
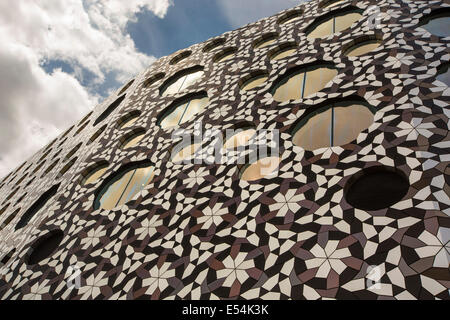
(334, 120)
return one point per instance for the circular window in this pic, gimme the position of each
(4, 209)
(9, 219)
(283, 51)
(113, 106)
(125, 88)
(262, 168)
(124, 185)
(335, 124)
(97, 134)
(213, 44)
(7, 258)
(153, 79)
(181, 80)
(72, 152)
(50, 168)
(362, 45)
(444, 73)
(184, 151)
(183, 110)
(437, 22)
(129, 119)
(333, 22)
(132, 139)
(37, 207)
(291, 16)
(303, 81)
(266, 40)
(81, 129)
(67, 167)
(181, 56)
(44, 247)
(85, 118)
(225, 55)
(253, 80)
(376, 188)
(94, 172)
(239, 135)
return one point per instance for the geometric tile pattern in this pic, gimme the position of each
(199, 232)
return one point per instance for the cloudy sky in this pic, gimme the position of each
(59, 58)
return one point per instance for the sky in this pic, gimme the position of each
(59, 59)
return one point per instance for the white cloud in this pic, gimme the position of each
(86, 34)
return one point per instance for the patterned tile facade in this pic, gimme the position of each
(200, 232)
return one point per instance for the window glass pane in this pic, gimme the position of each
(138, 182)
(444, 75)
(193, 107)
(317, 79)
(133, 141)
(239, 139)
(439, 26)
(345, 21)
(283, 54)
(174, 87)
(362, 48)
(349, 122)
(290, 89)
(125, 188)
(112, 196)
(315, 133)
(96, 175)
(322, 30)
(191, 79)
(173, 119)
(255, 82)
(261, 169)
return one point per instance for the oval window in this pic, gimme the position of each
(437, 22)
(113, 106)
(283, 51)
(262, 168)
(376, 188)
(179, 57)
(303, 81)
(129, 119)
(254, 80)
(213, 44)
(181, 80)
(334, 125)
(334, 22)
(44, 247)
(183, 110)
(225, 55)
(290, 16)
(123, 186)
(266, 40)
(362, 46)
(37, 207)
(132, 139)
(95, 172)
